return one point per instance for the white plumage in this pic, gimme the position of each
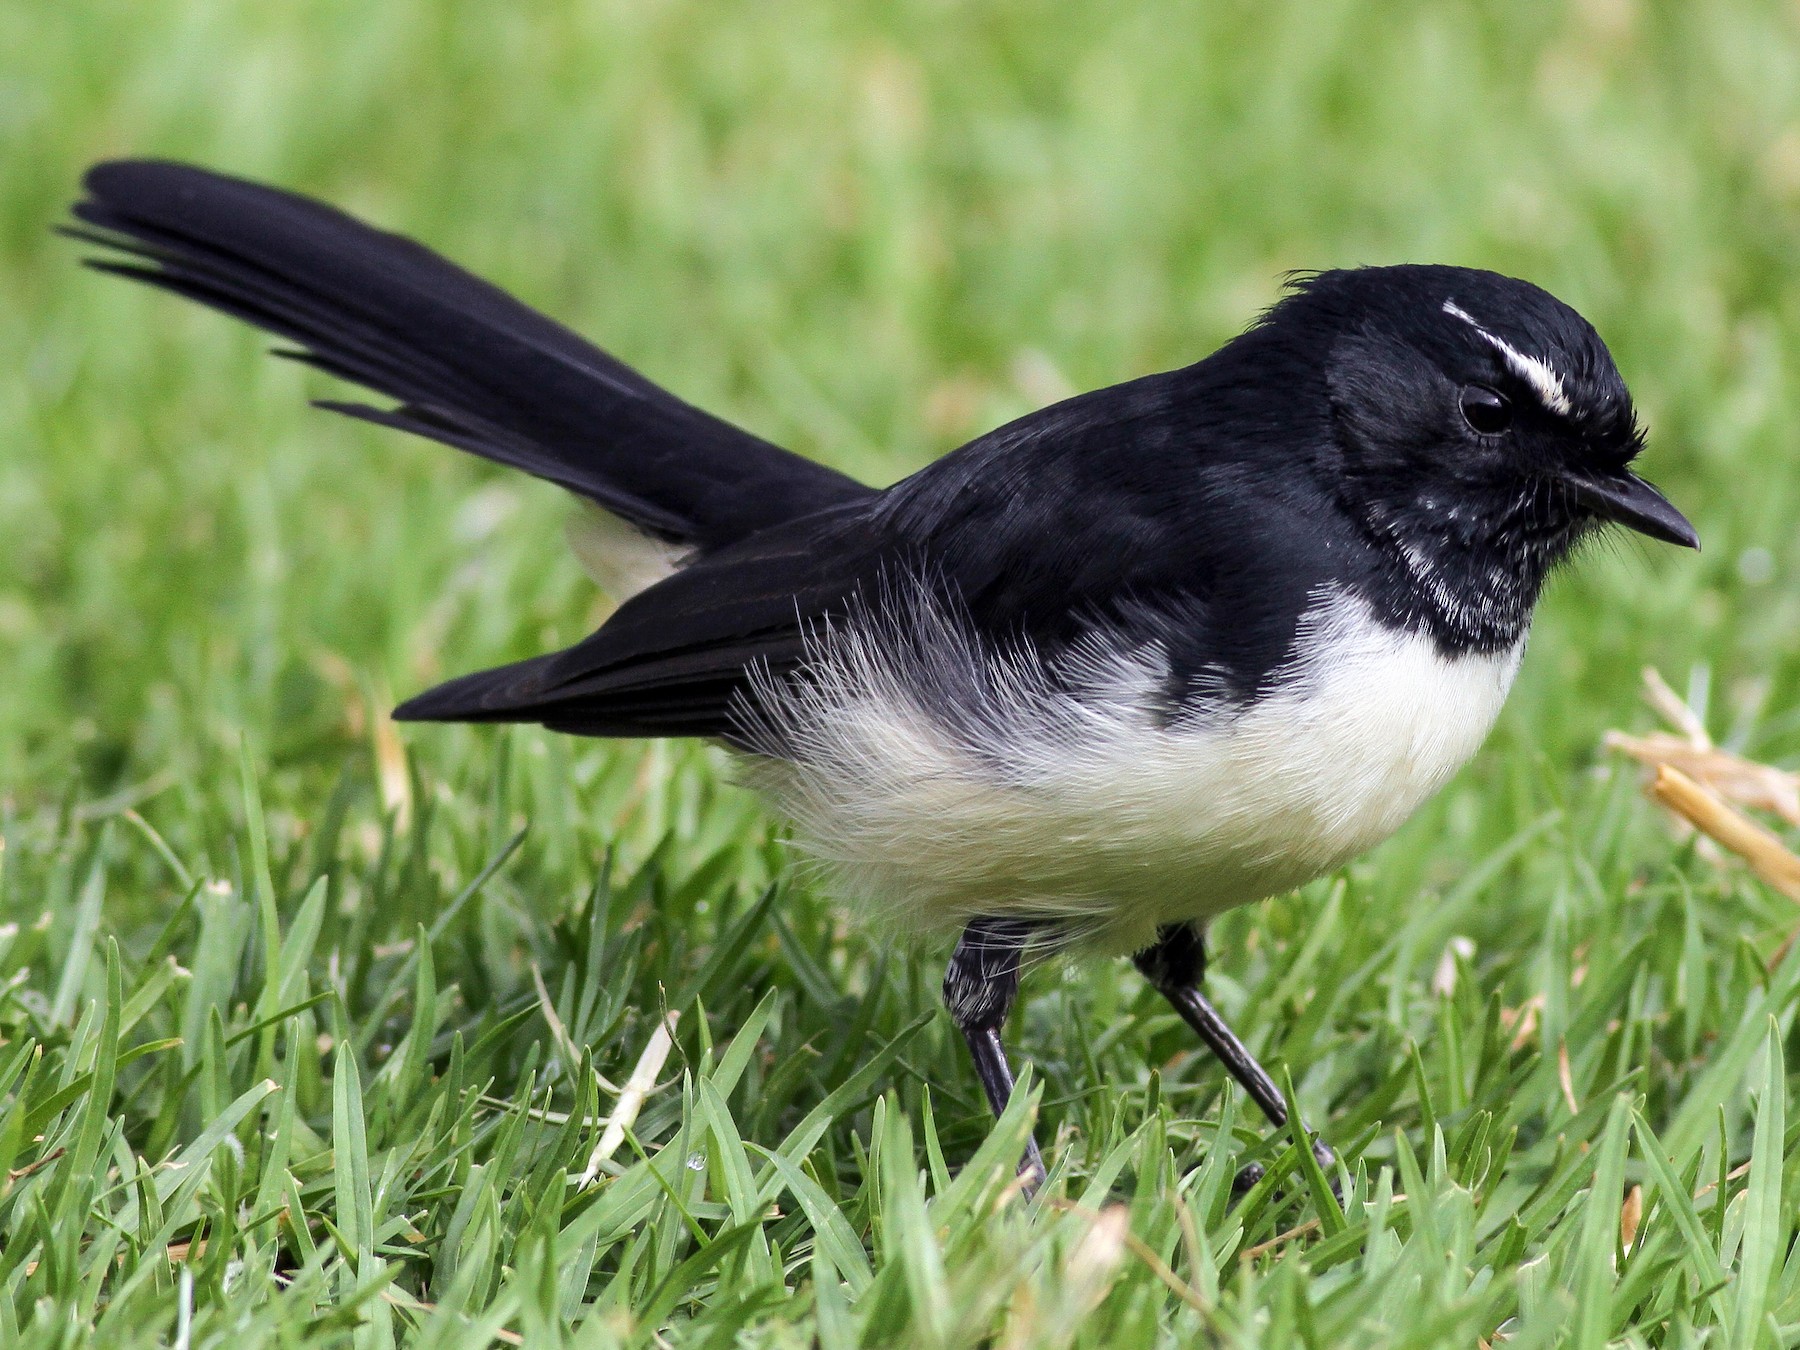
(620, 558)
(1537, 373)
(1078, 806)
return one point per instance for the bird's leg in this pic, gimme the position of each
(1174, 964)
(979, 988)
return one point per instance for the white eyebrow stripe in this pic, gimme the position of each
(1544, 381)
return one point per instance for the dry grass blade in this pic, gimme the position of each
(1140, 1249)
(1660, 695)
(1565, 1079)
(1282, 1239)
(20, 1173)
(390, 769)
(1631, 1214)
(1704, 786)
(1767, 856)
(631, 1099)
(1522, 1021)
(1094, 1261)
(1688, 749)
(1737, 1173)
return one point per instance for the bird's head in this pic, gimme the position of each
(1480, 428)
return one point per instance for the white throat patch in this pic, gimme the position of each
(1544, 381)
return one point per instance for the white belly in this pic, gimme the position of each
(1088, 812)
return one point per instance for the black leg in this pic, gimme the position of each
(1175, 965)
(979, 988)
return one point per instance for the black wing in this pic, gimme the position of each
(674, 659)
(1090, 516)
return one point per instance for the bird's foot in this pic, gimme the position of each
(1251, 1173)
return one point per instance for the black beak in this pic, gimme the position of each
(1626, 499)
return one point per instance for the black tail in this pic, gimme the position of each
(471, 366)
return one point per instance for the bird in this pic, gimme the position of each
(1073, 689)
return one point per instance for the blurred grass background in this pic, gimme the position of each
(869, 233)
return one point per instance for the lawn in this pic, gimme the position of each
(311, 1026)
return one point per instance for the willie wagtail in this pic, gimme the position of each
(1084, 683)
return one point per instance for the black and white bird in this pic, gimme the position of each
(1085, 683)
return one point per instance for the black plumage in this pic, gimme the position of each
(471, 366)
(1195, 576)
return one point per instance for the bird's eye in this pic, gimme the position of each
(1488, 413)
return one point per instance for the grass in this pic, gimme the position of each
(307, 1028)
